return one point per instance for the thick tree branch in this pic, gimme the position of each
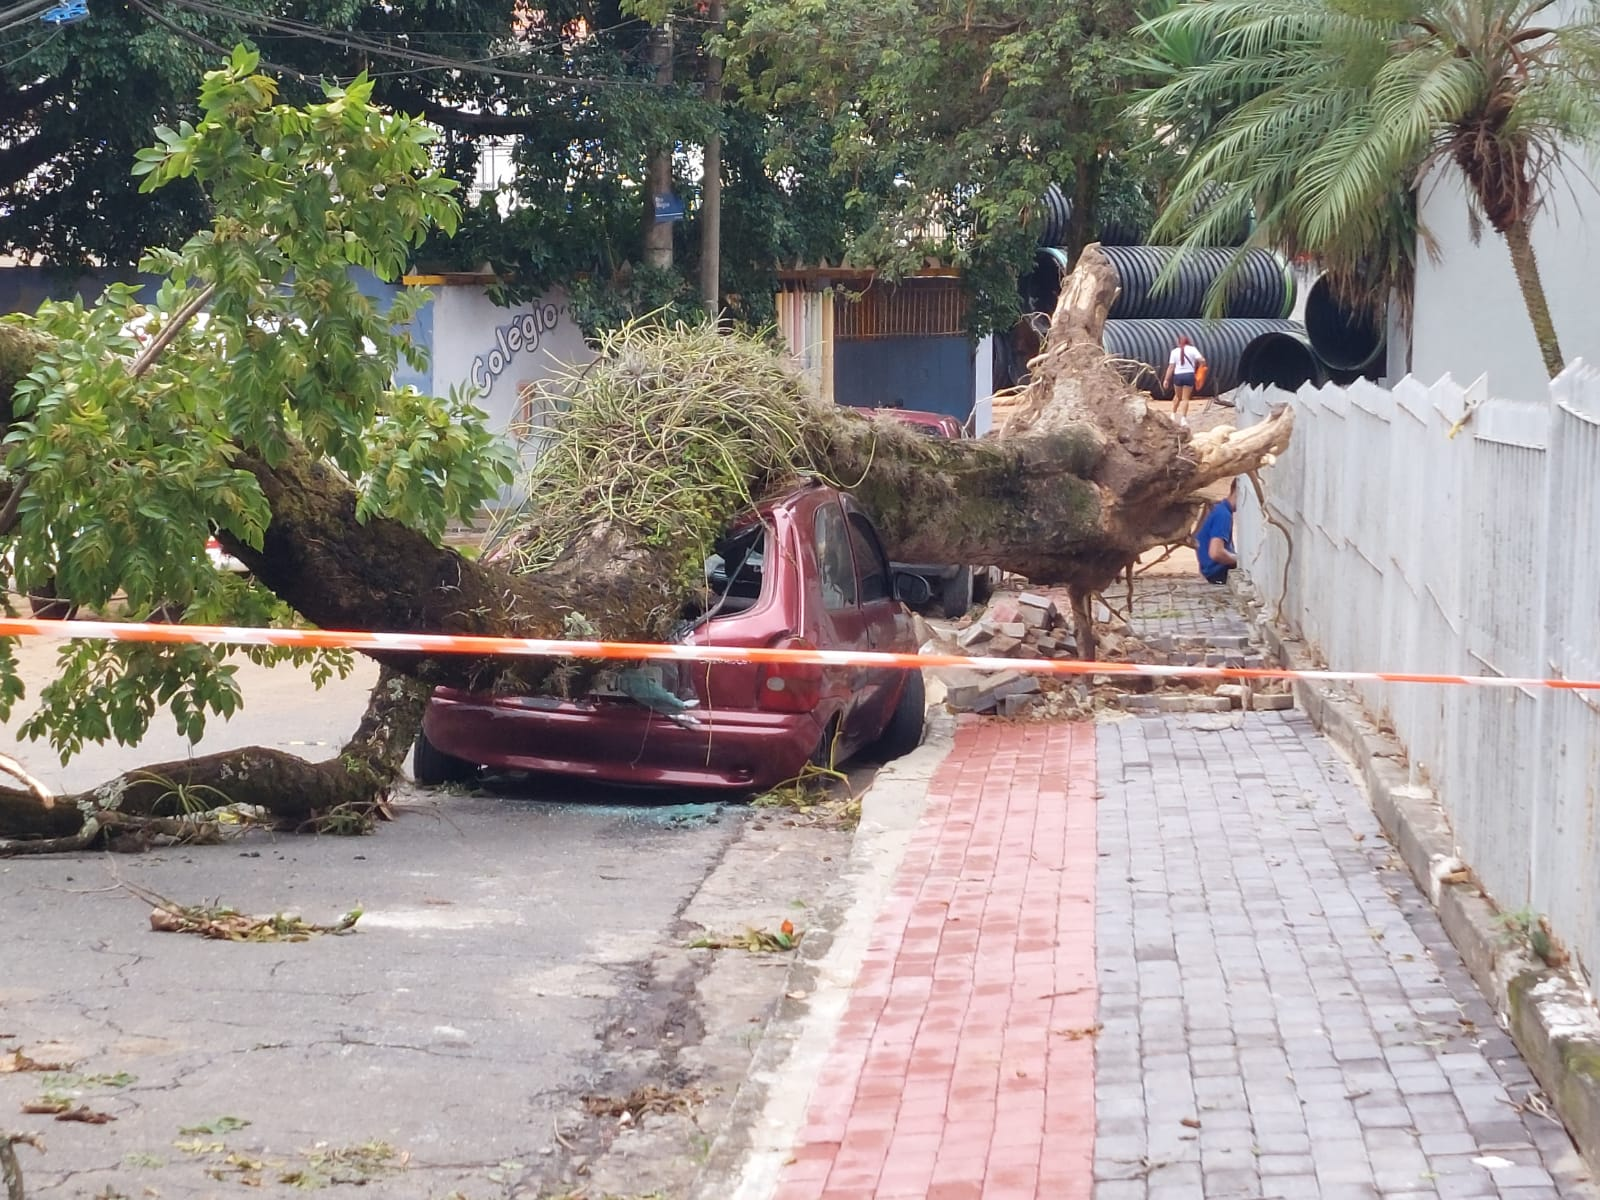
(14, 105)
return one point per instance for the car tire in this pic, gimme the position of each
(903, 734)
(955, 598)
(432, 767)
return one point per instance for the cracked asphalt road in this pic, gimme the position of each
(499, 937)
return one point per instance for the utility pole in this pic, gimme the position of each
(658, 173)
(711, 194)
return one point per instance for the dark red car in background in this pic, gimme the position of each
(805, 570)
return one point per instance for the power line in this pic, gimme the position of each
(26, 54)
(353, 42)
(23, 14)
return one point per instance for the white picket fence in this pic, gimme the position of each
(1477, 554)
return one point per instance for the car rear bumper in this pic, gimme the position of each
(621, 742)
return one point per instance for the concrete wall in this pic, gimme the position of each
(23, 289)
(1419, 552)
(501, 351)
(1470, 319)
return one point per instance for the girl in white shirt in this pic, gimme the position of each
(1182, 364)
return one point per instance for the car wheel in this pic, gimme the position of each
(956, 596)
(903, 734)
(431, 766)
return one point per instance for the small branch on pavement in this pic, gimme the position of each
(10, 1168)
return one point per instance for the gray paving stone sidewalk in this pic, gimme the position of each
(1183, 606)
(1282, 1014)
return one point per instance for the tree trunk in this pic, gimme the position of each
(1523, 262)
(1083, 227)
(658, 171)
(711, 194)
(1084, 477)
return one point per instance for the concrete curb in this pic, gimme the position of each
(747, 1157)
(1548, 1013)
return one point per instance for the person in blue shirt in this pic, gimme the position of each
(1213, 541)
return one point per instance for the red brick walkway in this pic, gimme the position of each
(964, 1066)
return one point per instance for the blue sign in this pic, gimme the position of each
(66, 12)
(669, 207)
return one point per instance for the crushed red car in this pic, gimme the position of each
(804, 570)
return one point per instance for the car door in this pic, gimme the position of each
(840, 623)
(884, 625)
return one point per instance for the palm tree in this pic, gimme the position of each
(1337, 110)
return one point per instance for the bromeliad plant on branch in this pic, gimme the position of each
(275, 423)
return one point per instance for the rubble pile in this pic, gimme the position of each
(1031, 625)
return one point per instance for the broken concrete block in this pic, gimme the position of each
(1193, 703)
(986, 693)
(1001, 612)
(1004, 646)
(1274, 702)
(1014, 629)
(974, 636)
(1235, 694)
(1039, 612)
(1015, 706)
(1133, 701)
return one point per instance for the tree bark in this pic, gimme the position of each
(1526, 265)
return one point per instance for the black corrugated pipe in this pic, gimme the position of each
(1042, 287)
(1262, 287)
(1346, 341)
(1058, 220)
(1285, 360)
(1145, 345)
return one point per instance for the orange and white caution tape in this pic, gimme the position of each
(440, 643)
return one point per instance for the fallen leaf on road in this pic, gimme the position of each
(224, 924)
(47, 1106)
(1190, 1123)
(85, 1116)
(756, 941)
(18, 1061)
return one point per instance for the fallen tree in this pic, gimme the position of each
(277, 431)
